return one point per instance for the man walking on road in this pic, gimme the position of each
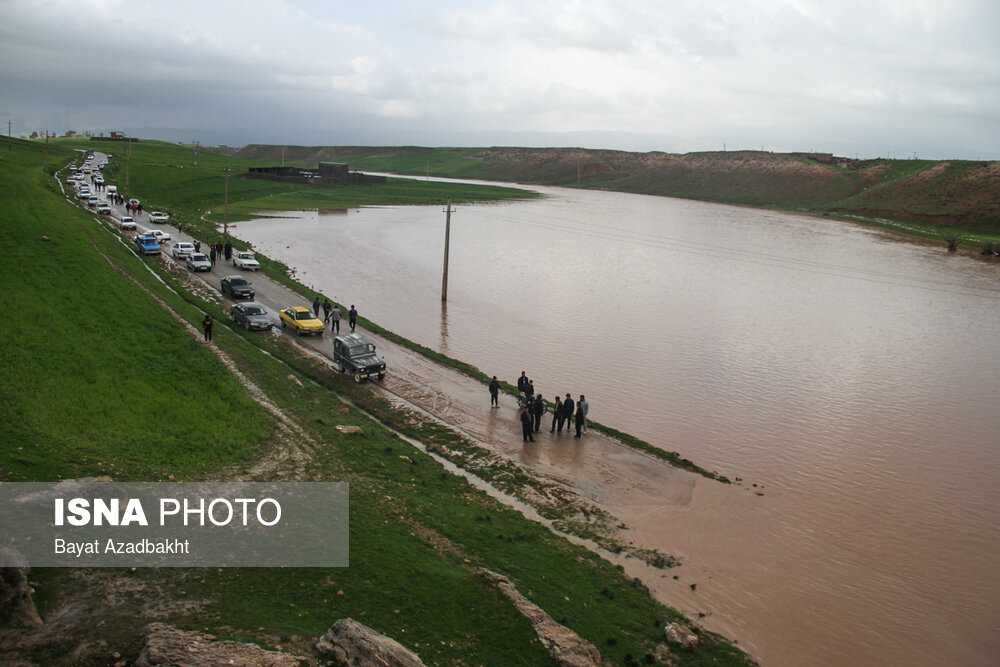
(352, 317)
(335, 319)
(583, 405)
(316, 307)
(326, 310)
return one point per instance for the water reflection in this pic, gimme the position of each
(444, 328)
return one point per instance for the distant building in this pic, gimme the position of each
(115, 136)
(824, 158)
(328, 173)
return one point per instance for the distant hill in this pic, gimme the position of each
(953, 196)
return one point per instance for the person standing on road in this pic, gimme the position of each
(568, 407)
(526, 425)
(494, 392)
(335, 319)
(211, 255)
(522, 384)
(229, 251)
(582, 404)
(206, 325)
(352, 317)
(556, 415)
(538, 408)
(326, 310)
(316, 307)
(579, 417)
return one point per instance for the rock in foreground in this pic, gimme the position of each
(167, 646)
(353, 644)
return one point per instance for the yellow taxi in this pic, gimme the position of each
(302, 320)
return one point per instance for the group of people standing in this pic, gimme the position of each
(332, 314)
(566, 411)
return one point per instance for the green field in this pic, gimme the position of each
(103, 372)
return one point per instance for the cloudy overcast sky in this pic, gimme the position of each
(871, 78)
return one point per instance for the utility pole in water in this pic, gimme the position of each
(447, 237)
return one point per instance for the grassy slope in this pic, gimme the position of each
(107, 353)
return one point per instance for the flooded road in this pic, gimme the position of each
(851, 376)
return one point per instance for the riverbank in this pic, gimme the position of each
(85, 407)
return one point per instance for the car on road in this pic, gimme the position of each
(237, 287)
(104, 208)
(302, 320)
(127, 222)
(158, 218)
(251, 316)
(160, 235)
(182, 250)
(353, 354)
(148, 245)
(244, 259)
(92, 201)
(197, 261)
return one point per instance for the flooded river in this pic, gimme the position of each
(850, 375)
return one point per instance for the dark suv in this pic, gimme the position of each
(237, 287)
(353, 354)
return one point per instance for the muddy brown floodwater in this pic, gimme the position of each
(849, 377)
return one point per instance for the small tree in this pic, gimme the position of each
(952, 241)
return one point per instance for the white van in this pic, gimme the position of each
(111, 189)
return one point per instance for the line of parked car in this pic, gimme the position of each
(352, 353)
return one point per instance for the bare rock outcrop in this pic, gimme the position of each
(353, 644)
(169, 647)
(565, 646)
(681, 635)
(16, 604)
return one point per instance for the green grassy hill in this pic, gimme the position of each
(103, 372)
